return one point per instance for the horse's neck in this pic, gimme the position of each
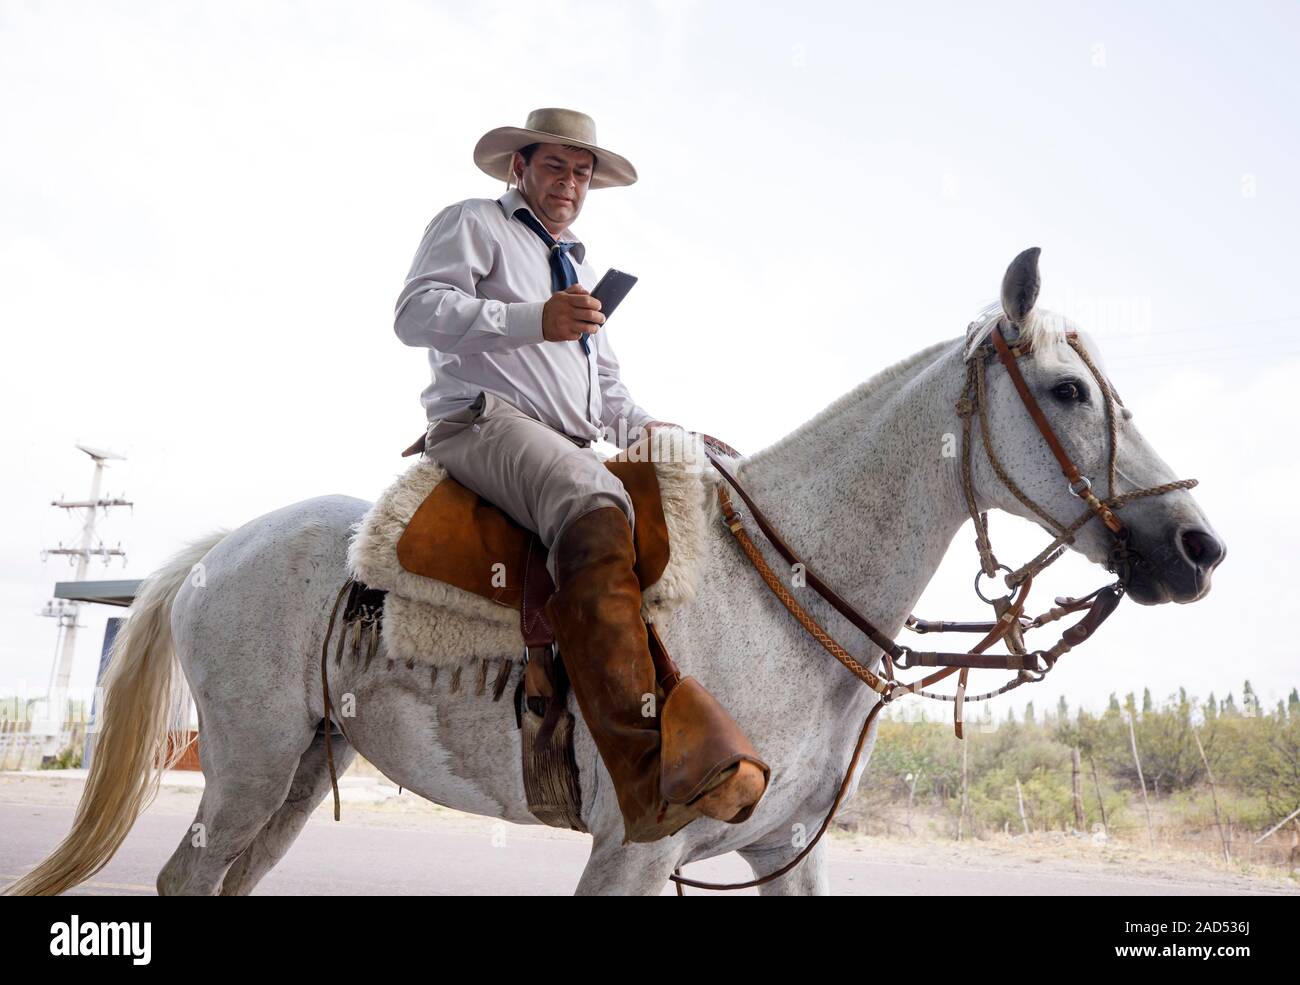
(868, 493)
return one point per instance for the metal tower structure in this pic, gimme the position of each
(67, 610)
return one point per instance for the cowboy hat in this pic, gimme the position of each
(496, 148)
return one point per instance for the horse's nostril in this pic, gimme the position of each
(1202, 549)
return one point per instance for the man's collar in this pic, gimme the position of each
(514, 200)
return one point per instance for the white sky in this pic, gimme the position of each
(207, 211)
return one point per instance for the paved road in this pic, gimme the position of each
(367, 853)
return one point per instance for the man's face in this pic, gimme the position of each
(555, 183)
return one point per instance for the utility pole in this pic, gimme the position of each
(64, 610)
(1076, 786)
(1132, 737)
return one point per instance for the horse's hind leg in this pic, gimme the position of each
(247, 778)
(311, 783)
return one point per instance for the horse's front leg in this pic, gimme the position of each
(808, 878)
(634, 869)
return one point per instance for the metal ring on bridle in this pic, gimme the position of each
(1034, 675)
(980, 574)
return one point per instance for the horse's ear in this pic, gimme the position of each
(1020, 286)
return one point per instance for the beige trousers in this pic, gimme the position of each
(542, 478)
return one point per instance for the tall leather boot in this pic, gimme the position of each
(596, 615)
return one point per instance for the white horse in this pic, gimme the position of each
(864, 490)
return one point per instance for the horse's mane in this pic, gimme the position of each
(1041, 328)
(862, 392)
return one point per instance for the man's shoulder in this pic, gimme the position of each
(481, 209)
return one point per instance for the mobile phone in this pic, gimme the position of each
(611, 290)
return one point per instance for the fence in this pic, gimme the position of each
(21, 749)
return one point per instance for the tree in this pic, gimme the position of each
(1265, 761)
(1067, 730)
(1169, 756)
(1249, 702)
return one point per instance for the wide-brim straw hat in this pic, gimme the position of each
(552, 125)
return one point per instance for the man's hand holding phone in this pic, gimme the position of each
(570, 313)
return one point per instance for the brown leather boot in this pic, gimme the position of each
(596, 615)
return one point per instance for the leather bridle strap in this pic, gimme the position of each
(905, 657)
(813, 580)
(1079, 485)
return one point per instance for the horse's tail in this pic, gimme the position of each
(140, 686)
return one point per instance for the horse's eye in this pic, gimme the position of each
(1070, 392)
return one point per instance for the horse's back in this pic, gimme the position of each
(262, 587)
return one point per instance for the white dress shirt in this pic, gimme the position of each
(474, 299)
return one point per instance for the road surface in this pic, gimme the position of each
(401, 845)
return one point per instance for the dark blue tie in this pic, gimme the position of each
(562, 273)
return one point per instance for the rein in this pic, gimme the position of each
(1010, 623)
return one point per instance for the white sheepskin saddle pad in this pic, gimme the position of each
(431, 622)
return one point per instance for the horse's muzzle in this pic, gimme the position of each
(1175, 566)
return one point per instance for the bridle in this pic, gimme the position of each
(1010, 624)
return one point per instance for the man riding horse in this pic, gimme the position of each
(524, 382)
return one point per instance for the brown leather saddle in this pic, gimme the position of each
(458, 537)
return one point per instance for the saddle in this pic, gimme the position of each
(458, 537)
